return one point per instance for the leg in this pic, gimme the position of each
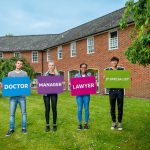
(112, 98)
(86, 100)
(13, 106)
(79, 100)
(22, 103)
(120, 98)
(47, 108)
(54, 98)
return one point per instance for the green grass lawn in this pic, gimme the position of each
(135, 136)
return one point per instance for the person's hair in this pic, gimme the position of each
(55, 70)
(114, 58)
(83, 64)
(19, 60)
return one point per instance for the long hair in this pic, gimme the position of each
(55, 69)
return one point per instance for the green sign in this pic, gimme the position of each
(117, 79)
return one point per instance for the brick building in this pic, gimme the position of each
(94, 43)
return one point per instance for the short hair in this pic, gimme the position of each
(83, 64)
(19, 60)
(114, 58)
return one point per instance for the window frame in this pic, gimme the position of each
(58, 52)
(73, 50)
(109, 40)
(37, 57)
(88, 45)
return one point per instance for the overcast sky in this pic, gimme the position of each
(28, 17)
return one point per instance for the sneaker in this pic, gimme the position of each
(24, 131)
(47, 129)
(79, 127)
(86, 126)
(10, 132)
(113, 126)
(119, 126)
(54, 128)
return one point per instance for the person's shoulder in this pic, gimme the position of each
(120, 68)
(24, 72)
(10, 73)
(77, 75)
(108, 68)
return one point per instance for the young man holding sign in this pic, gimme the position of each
(14, 100)
(116, 94)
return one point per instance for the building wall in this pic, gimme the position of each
(100, 59)
(28, 56)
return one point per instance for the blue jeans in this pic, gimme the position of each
(13, 105)
(83, 100)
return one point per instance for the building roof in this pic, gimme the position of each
(42, 42)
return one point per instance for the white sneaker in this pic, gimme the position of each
(119, 126)
(113, 126)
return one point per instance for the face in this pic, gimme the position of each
(19, 65)
(83, 69)
(114, 63)
(51, 66)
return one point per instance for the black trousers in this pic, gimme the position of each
(116, 95)
(53, 98)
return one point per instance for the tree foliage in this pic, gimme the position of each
(139, 12)
(7, 65)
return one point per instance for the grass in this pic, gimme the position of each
(135, 136)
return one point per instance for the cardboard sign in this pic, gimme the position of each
(16, 86)
(83, 86)
(117, 79)
(50, 84)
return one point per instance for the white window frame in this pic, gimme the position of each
(112, 41)
(18, 53)
(48, 56)
(35, 61)
(59, 52)
(73, 49)
(90, 45)
(1, 54)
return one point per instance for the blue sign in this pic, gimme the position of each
(16, 86)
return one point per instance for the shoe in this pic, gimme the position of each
(10, 132)
(47, 129)
(120, 126)
(54, 128)
(24, 131)
(79, 127)
(113, 126)
(86, 126)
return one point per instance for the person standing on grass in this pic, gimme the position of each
(83, 100)
(116, 94)
(14, 100)
(52, 71)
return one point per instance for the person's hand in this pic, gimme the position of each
(1, 86)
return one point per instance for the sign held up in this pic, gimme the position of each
(16, 86)
(117, 79)
(83, 86)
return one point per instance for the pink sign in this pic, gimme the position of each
(83, 86)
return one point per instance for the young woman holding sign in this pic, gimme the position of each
(83, 100)
(52, 71)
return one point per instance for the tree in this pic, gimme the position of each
(7, 65)
(139, 12)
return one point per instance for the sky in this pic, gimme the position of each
(34, 17)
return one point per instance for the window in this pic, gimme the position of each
(1, 55)
(90, 45)
(73, 49)
(59, 54)
(34, 56)
(113, 40)
(48, 55)
(17, 54)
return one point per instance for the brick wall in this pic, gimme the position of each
(99, 60)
